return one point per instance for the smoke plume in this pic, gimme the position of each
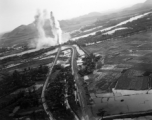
(44, 40)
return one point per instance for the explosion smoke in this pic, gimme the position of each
(57, 32)
(43, 40)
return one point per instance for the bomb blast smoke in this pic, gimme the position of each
(44, 40)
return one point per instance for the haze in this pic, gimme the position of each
(16, 12)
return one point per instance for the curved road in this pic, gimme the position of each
(74, 72)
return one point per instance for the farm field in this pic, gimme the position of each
(132, 54)
(105, 73)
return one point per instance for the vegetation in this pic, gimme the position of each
(21, 79)
(25, 56)
(134, 27)
(98, 25)
(23, 99)
(18, 89)
(62, 86)
(64, 81)
(89, 65)
(56, 94)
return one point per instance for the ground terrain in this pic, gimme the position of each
(22, 74)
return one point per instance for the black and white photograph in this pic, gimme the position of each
(75, 59)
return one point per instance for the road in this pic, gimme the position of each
(45, 106)
(80, 91)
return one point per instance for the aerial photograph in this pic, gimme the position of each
(75, 59)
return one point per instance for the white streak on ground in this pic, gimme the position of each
(109, 28)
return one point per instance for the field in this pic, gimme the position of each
(132, 52)
(127, 49)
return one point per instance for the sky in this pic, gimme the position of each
(17, 12)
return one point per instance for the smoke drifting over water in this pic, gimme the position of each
(43, 40)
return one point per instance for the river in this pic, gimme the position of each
(109, 28)
(93, 33)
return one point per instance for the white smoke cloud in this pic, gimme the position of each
(43, 40)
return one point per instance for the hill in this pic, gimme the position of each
(142, 6)
(25, 33)
(78, 22)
